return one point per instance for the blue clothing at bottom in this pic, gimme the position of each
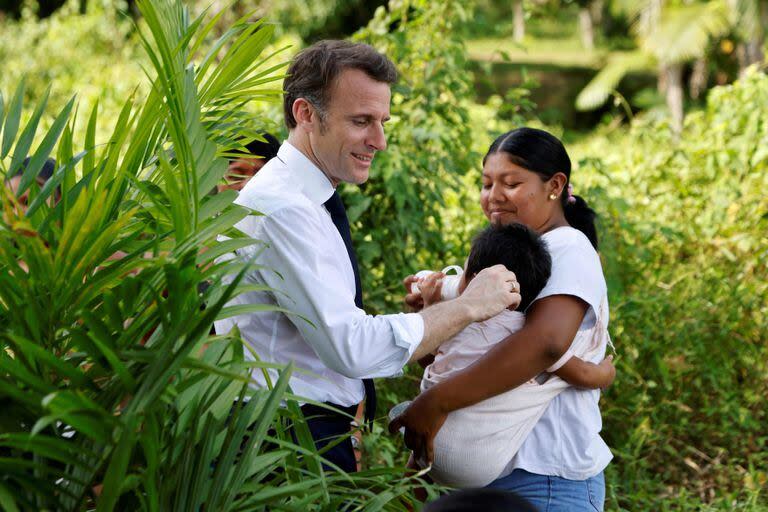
(332, 429)
(554, 494)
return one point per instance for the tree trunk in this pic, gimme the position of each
(741, 58)
(662, 80)
(751, 51)
(596, 10)
(518, 16)
(674, 86)
(763, 8)
(699, 77)
(754, 47)
(586, 28)
(650, 18)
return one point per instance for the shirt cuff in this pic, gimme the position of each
(408, 330)
(560, 362)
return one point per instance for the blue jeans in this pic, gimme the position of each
(554, 494)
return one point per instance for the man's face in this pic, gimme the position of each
(344, 142)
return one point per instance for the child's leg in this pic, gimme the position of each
(413, 468)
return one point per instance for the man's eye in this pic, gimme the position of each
(360, 122)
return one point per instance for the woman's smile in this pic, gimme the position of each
(501, 216)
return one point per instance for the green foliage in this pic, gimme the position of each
(114, 395)
(683, 239)
(397, 214)
(684, 244)
(96, 54)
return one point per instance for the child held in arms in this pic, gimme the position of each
(475, 444)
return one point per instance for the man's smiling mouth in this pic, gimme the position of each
(363, 158)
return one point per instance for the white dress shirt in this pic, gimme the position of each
(306, 262)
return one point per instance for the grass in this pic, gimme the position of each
(565, 52)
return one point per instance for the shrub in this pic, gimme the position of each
(683, 231)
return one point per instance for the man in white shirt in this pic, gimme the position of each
(336, 102)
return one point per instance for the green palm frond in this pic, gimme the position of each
(684, 31)
(114, 395)
(99, 297)
(746, 19)
(600, 88)
(665, 34)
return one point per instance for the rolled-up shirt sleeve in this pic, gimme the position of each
(305, 262)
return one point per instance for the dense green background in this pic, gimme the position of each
(683, 217)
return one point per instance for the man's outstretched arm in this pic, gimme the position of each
(489, 293)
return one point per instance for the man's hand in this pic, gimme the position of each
(422, 421)
(490, 292)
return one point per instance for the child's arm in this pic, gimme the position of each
(431, 287)
(583, 374)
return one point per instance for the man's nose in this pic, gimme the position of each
(377, 139)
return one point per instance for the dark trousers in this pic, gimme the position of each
(326, 428)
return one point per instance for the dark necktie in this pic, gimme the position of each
(335, 207)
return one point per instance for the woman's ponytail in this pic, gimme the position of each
(580, 216)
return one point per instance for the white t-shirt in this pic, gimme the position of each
(566, 440)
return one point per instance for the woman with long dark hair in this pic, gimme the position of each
(527, 179)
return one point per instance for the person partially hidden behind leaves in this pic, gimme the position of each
(45, 174)
(245, 166)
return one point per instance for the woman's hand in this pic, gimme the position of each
(422, 421)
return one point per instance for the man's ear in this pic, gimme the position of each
(304, 113)
(556, 183)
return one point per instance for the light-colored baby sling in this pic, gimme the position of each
(475, 444)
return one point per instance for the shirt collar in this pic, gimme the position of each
(315, 184)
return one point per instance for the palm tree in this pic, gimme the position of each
(750, 23)
(668, 35)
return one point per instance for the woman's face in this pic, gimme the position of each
(513, 194)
